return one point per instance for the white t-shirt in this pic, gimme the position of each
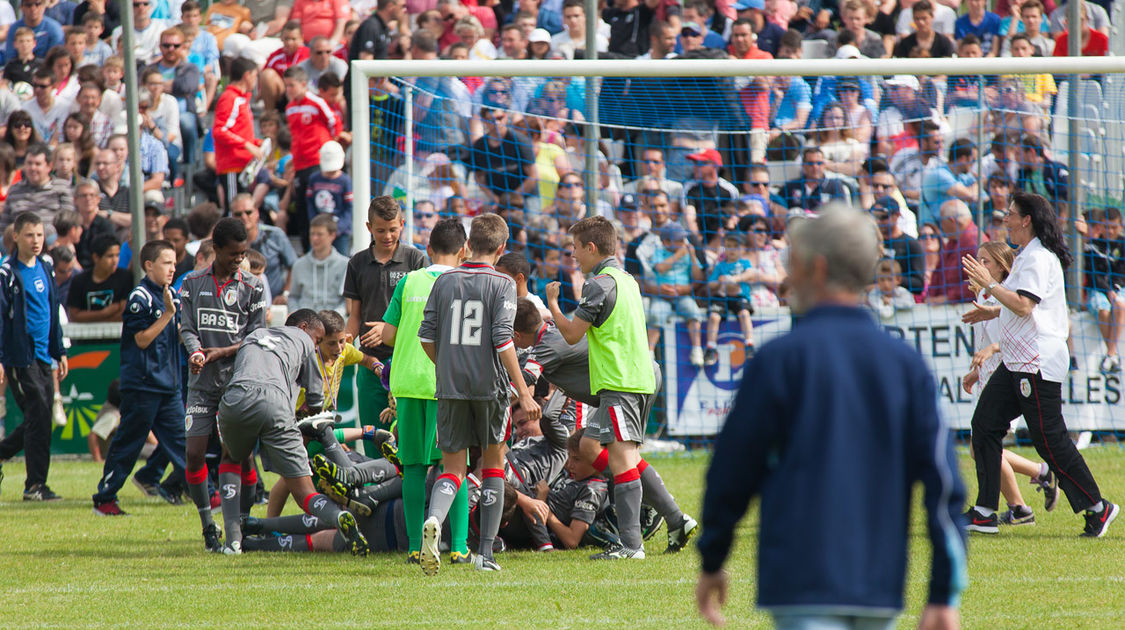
(944, 21)
(146, 43)
(1037, 342)
(49, 122)
(986, 334)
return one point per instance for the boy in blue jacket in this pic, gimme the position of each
(836, 397)
(30, 339)
(150, 377)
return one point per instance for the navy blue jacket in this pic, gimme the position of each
(16, 349)
(156, 368)
(832, 426)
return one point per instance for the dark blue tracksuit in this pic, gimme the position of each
(832, 426)
(150, 392)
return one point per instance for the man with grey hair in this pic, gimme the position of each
(947, 284)
(321, 60)
(835, 393)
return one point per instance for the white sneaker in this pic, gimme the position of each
(697, 356)
(58, 414)
(430, 557)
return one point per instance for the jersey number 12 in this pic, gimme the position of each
(469, 314)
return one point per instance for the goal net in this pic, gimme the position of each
(714, 157)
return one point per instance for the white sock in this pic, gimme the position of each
(1043, 468)
(1097, 507)
(984, 511)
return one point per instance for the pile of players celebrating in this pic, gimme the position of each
(511, 425)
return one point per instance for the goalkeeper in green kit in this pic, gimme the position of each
(413, 383)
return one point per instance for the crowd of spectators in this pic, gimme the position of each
(249, 98)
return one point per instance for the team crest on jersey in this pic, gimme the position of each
(230, 297)
(135, 307)
(1025, 387)
(187, 422)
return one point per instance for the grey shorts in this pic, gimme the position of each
(250, 415)
(462, 424)
(620, 418)
(200, 411)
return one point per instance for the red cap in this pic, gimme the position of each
(707, 155)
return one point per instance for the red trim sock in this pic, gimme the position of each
(250, 477)
(601, 462)
(226, 467)
(492, 472)
(627, 476)
(308, 541)
(641, 466)
(452, 478)
(196, 477)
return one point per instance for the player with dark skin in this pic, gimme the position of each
(227, 261)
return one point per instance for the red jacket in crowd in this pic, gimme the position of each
(312, 122)
(234, 127)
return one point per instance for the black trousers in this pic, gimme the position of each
(33, 388)
(299, 219)
(1006, 396)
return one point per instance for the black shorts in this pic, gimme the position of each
(733, 305)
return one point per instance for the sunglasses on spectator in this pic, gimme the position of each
(570, 185)
(244, 213)
(170, 45)
(690, 33)
(424, 215)
(760, 184)
(927, 237)
(651, 161)
(21, 125)
(817, 163)
(568, 254)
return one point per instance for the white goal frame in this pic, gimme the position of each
(363, 70)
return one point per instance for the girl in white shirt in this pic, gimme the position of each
(1033, 323)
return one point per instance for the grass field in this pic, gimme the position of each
(61, 566)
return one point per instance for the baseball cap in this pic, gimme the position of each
(886, 204)
(539, 35)
(673, 232)
(744, 5)
(847, 51)
(847, 82)
(331, 156)
(707, 155)
(904, 80)
(691, 27)
(628, 203)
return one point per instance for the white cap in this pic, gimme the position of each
(905, 80)
(331, 156)
(539, 35)
(847, 51)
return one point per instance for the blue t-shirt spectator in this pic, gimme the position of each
(332, 196)
(63, 12)
(797, 96)
(936, 181)
(36, 284)
(986, 31)
(679, 274)
(727, 268)
(48, 34)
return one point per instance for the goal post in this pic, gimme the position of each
(1084, 129)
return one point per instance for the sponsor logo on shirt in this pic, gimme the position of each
(217, 320)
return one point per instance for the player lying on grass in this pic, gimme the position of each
(257, 410)
(385, 528)
(560, 514)
(568, 367)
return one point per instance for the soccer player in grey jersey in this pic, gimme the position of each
(219, 305)
(467, 331)
(568, 368)
(257, 407)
